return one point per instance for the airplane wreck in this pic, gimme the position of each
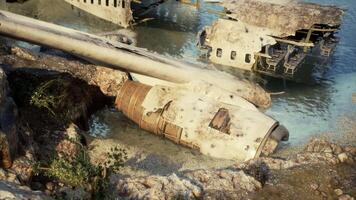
(290, 34)
(207, 110)
(116, 11)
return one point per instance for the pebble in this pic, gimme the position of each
(338, 192)
(47, 192)
(50, 186)
(346, 197)
(36, 186)
(342, 157)
(2, 174)
(12, 178)
(314, 186)
(149, 183)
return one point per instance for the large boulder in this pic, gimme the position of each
(8, 131)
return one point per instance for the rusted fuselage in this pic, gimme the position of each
(216, 124)
(274, 37)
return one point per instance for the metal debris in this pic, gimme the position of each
(126, 57)
(180, 114)
(271, 37)
(284, 18)
(115, 11)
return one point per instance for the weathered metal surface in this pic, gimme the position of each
(271, 37)
(116, 11)
(198, 121)
(236, 40)
(284, 18)
(126, 57)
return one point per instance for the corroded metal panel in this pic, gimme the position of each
(236, 41)
(115, 11)
(284, 17)
(231, 130)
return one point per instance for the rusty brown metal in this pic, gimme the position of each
(216, 129)
(221, 121)
(129, 100)
(5, 155)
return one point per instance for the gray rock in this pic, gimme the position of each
(343, 157)
(346, 197)
(201, 184)
(338, 192)
(157, 187)
(314, 186)
(10, 191)
(78, 193)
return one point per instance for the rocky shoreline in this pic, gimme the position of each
(32, 131)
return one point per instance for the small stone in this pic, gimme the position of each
(36, 186)
(2, 174)
(346, 197)
(338, 192)
(337, 149)
(329, 155)
(47, 192)
(314, 186)
(343, 157)
(328, 150)
(224, 175)
(50, 186)
(351, 150)
(149, 183)
(12, 178)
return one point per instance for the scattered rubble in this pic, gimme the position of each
(200, 184)
(242, 180)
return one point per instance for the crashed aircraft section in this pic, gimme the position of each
(277, 44)
(218, 129)
(115, 11)
(202, 109)
(119, 12)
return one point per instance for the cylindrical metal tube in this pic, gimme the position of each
(193, 120)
